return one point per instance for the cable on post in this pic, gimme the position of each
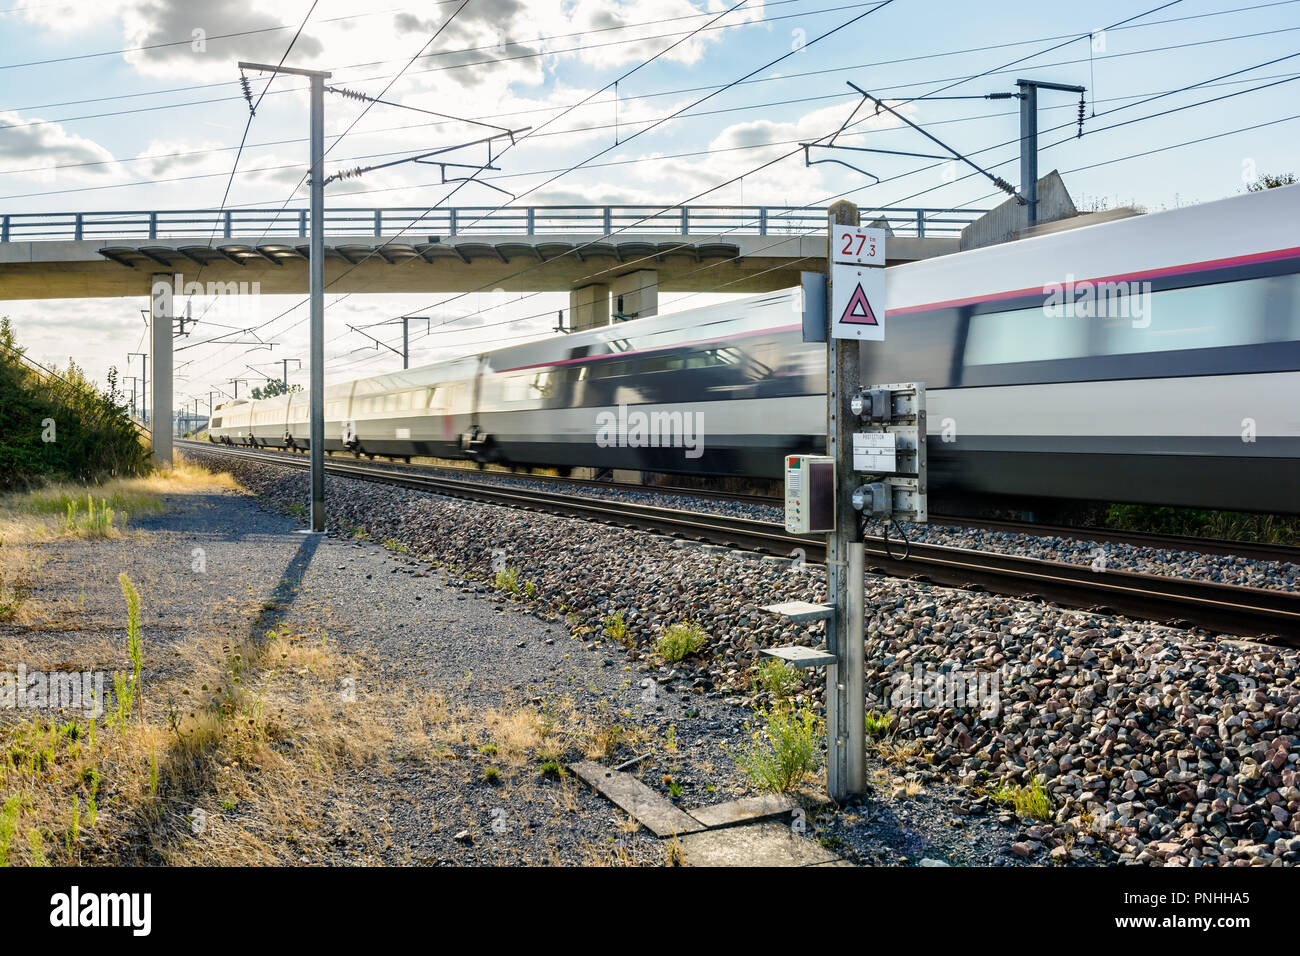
(907, 544)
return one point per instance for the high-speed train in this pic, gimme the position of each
(1154, 359)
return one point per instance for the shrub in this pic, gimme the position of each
(616, 629)
(93, 436)
(1032, 801)
(878, 724)
(783, 749)
(778, 678)
(508, 580)
(680, 641)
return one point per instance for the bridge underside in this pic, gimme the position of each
(58, 269)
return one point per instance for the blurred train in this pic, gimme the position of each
(1154, 359)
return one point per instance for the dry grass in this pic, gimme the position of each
(56, 512)
(253, 745)
(228, 769)
(41, 514)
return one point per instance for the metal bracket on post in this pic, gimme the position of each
(889, 452)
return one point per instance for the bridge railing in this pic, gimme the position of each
(417, 224)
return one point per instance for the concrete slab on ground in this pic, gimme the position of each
(651, 810)
(760, 844)
(744, 810)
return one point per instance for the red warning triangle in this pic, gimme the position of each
(858, 311)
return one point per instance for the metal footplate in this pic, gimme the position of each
(800, 612)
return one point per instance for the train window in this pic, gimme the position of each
(216, 422)
(1222, 315)
(1025, 335)
(543, 384)
(515, 389)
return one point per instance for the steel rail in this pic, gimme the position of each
(1220, 608)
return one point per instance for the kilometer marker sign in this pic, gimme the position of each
(858, 302)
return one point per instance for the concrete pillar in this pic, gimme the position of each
(589, 307)
(161, 310)
(636, 295)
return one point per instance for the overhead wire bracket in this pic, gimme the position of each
(998, 181)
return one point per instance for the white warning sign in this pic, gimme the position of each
(858, 302)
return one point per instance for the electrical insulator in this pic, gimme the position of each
(348, 94)
(1081, 109)
(248, 91)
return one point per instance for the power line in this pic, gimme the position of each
(836, 70)
(189, 40)
(634, 69)
(779, 159)
(1212, 80)
(447, 301)
(714, 289)
(458, 66)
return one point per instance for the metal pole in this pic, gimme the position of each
(160, 336)
(406, 343)
(855, 663)
(144, 382)
(316, 356)
(316, 284)
(845, 732)
(1029, 147)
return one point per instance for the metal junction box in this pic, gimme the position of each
(809, 494)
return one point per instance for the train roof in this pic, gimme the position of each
(1225, 230)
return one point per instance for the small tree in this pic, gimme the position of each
(1268, 181)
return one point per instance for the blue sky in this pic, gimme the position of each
(180, 156)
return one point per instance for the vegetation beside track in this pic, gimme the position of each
(59, 425)
(1192, 522)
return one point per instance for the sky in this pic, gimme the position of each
(137, 105)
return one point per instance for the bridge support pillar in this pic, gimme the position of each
(636, 295)
(161, 310)
(589, 307)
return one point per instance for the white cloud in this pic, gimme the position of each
(34, 146)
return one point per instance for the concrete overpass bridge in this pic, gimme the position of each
(610, 259)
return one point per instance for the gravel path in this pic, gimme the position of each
(1155, 745)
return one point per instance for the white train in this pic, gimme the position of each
(1154, 359)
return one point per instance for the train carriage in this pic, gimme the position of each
(1154, 359)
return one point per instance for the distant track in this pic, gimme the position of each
(1258, 551)
(1221, 608)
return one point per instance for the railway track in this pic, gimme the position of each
(1221, 608)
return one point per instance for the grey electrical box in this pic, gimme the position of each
(809, 494)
